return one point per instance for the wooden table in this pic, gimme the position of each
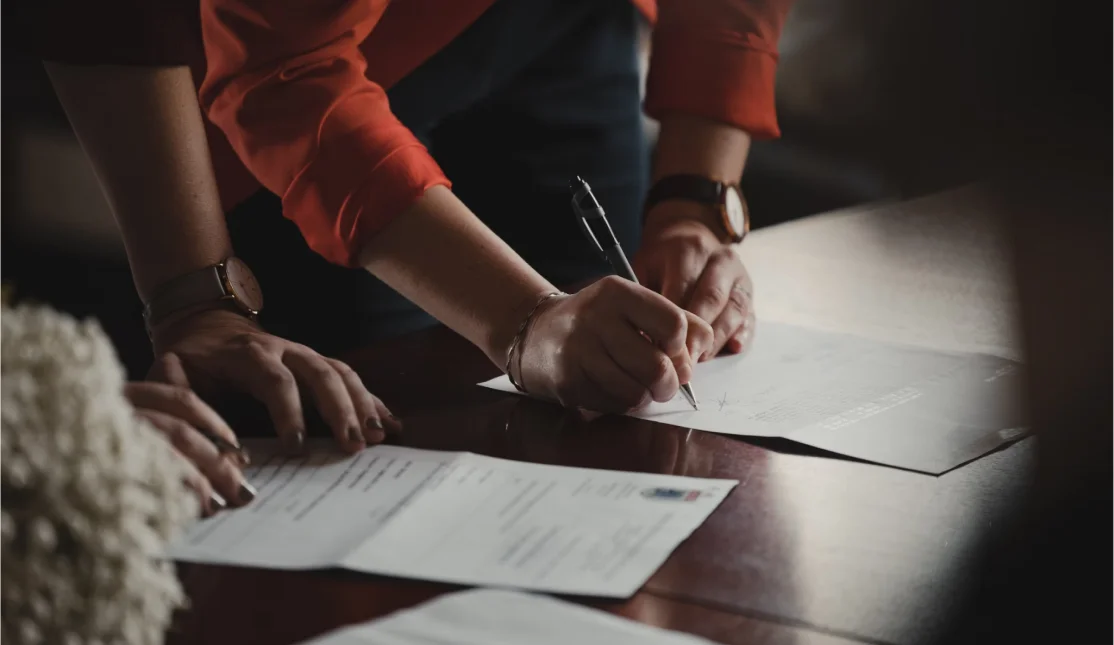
(808, 548)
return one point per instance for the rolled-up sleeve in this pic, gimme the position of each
(717, 59)
(286, 82)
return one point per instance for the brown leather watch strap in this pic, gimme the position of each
(688, 187)
(185, 292)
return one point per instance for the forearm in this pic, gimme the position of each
(441, 257)
(694, 145)
(141, 127)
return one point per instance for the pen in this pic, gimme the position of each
(589, 214)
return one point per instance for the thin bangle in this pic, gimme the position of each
(521, 333)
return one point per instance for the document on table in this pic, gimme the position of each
(457, 517)
(909, 407)
(502, 617)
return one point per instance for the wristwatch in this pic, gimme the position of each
(228, 284)
(734, 216)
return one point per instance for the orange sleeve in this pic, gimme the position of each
(286, 83)
(716, 59)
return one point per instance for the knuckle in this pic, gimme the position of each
(697, 246)
(246, 340)
(738, 298)
(185, 397)
(713, 294)
(661, 368)
(276, 376)
(179, 433)
(677, 323)
(322, 371)
(342, 368)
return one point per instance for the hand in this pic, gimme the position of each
(222, 350)
(594, 349)
(684, 260)
(183, 417)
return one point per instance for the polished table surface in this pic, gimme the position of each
(809, 548)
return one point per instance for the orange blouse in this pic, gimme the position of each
(298, 89)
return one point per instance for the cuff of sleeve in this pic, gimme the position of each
(335, 219)
(727, 79)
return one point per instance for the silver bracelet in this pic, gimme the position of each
(516, 342)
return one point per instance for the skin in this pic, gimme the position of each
(592, 349)
(145, 122)
(682, 256)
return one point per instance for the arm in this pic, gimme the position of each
(711, 85)
(295, 102)
(142, 129)
(126, 117)
(287, 84)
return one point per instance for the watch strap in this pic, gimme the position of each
(694, 188)
(184, 292)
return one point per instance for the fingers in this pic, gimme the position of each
(681, 275)
(743, 338)
(224, 478)
(330, 395)
(371, 414)
(642, 361)
(263, 374)
(731, 319)
(209, 501)
(611, 388)
(715, 295)
(391, 423)
(182, 403)
(648, 312)
(168, 368)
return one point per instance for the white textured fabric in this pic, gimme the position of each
(932, 272)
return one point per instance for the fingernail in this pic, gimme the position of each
(392, 415)
(217, 501)
(296, 442)
(374, 422)
(247, 492)
(355, 436)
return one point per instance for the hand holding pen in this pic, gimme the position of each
(590, 216)
(592, 350)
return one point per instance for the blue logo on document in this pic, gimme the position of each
(677, 494)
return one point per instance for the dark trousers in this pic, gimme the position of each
(532, 94)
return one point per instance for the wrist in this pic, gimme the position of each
(503, 331)
(676, 213)
(188, 321)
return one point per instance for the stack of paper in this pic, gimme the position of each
(910, 407)
(494, 617)
(457, 517)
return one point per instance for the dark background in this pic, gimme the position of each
(861, 91)
(877, 100)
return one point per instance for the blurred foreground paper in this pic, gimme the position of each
(496, 617)
(456, 517)
(910, 407)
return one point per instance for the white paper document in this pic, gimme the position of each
(910, 407)
(501, 617)
(457, 517)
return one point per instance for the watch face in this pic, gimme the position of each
(244, 285)
(738, 219)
